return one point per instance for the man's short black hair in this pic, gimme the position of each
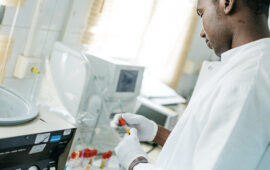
(258, 6)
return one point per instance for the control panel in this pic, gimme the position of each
(34, 152)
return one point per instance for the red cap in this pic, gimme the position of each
(122, 121)
(73, 155)
(91, 153)
(104, 155)
(87, 153)
(109, 154)
(95, 152)
(80, 154)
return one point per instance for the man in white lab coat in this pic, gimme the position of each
(226, 125)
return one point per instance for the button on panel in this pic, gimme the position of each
(33, 168)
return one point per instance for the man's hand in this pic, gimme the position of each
(147, 129)
(129, 149)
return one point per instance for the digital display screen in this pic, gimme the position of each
(127, 81)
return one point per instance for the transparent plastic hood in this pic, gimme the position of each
(14, 109)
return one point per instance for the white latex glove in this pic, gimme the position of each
(129, 149)
(147, 129)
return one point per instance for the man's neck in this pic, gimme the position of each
(250, 31)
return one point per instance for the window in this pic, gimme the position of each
(148, 32)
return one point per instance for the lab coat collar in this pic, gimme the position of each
(230, 53)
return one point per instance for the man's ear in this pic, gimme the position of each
(227, 6)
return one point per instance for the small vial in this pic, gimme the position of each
(86, 157)
(79, 159)
(93, 155)
(72, 162)
(103, 161)
(123, 123)
(105, 157)
(109, 154)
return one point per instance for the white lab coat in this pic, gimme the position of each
(226, 125)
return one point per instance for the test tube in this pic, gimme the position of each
(103, 161)
(72, 162)
(86, 157)
(109, 154)
(105, 157)
(93, 155)
(79, 158)
(123, 123)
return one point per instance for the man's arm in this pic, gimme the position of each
(162, 135)
(160, 139)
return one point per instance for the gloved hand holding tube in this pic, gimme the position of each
(129, 149)
(123, 123)
(146, 129)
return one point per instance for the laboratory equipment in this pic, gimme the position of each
(123, 123)
(162, 115)
(15, 109)
(160, 93)
(93, 89)
(43, 143)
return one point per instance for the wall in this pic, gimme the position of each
(59, 20)
(197, 54)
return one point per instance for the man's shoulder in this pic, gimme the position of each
(253, 68)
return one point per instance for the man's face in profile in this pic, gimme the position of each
(216, 30)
